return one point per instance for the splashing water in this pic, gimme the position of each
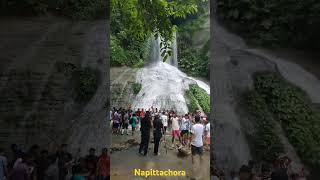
(163, 84)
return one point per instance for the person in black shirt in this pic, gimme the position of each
(145, 133)
(157, 133)
(64, 161)
(91, 161)
(43, 164)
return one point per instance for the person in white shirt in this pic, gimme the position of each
(175, 128)
(185, 128)
(197, 132)
(164, 119)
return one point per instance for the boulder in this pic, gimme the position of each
(124, 145)
(183, 151)
(132, 142)
(118, 147)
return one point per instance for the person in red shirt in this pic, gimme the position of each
(138, 112)
(142, 113)
(103, 165)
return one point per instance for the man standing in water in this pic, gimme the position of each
(157, 133)
(164, 119)
(185, 127)
(125, 123)
(197, 131)
(145, 133)
(175, 129)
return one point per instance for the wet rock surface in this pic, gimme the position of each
(124, 146)
(183, 151)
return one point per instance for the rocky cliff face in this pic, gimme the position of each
(36, 60)
(121, 82)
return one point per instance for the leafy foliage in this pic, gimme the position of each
(192, 60)
(274, 22)
(138, 19)
(76, 9)
(23, 6)
(84, 9)
(119, 56)
(266, 142)
(86, 84)
(291, 107)
(192, 101)
(132, 57)
(136, 87)
(201, 96)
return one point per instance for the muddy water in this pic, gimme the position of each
(124, 162)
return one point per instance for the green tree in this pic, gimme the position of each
(138, 19)
(273, 22)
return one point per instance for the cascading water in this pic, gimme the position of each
(173, 60)
(163, 84)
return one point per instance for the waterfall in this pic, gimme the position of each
(163, 84)
(155, 54)
(173, 60)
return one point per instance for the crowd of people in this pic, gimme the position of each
(190, 130)
(38, 164)
(280, 169)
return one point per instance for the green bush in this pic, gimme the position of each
(201, 96)
(136, 88)
(266, 144)
(274, 22)
(192, 103)
(193, 61)
(86, 84)
(118, 55)
(76, 9)
(291, 107)
(23, 7)
(84, 9)
(126, 56)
